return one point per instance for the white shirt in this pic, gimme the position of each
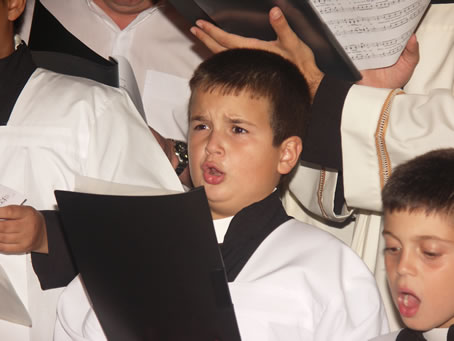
(157, 44)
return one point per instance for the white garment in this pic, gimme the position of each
(300, 284)
(420, 120)
(157, 44)
(436, 334)
(63, 126)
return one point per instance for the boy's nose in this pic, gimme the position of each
(214, 143)
(406, 264)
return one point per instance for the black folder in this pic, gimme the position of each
(151, 265)
(250, 18)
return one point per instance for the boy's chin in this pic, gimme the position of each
(422, 324)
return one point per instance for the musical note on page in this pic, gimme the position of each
(373, 33)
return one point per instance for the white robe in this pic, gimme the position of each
(300, 284)
(157, 44)
(60, 127)
(417, 121)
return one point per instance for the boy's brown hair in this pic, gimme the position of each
(425, 183)
(260, 74)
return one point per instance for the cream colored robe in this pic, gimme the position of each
(382, 128)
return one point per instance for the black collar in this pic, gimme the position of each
(408, 334)
(434, 2)
(15, 70)
(248, 229)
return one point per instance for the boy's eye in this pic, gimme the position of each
(200, 126)
(392, 249)
(239, 130)
(431, 254)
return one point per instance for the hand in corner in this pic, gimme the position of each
(22, 229)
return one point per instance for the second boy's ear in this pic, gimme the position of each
(15, 9)
(290, 153)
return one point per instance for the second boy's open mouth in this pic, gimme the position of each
(211, 174)
(408, 304)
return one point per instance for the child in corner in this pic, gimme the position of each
(418, 203)
(288, 280)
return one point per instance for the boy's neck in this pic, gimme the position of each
(436, 334)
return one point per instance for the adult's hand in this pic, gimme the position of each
(22, 229)
(397, 75)
(287, 45)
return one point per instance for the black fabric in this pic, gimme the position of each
(248, 229)
(451, 333)
(48, 34)
(408, 334)
(15, 70)
(66, 54)
(322, 143)
(56, 269)
(434, 2)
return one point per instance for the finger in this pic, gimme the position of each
(209, 42)
(11, 238)
(9, 226)
(411, 51)
(12, 248)
(280, 25)
(11, 212)
(223, 38)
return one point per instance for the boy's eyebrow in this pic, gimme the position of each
(239, 121)
(198, 117)
(385, 232)
(431, 237)
(419, 238)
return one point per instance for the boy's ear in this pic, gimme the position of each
(290, 153)
(15, 9)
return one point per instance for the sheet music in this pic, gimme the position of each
(11, 308)
(85, 184)
(373, 33)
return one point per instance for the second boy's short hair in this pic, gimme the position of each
(425, 183)
(261, 74)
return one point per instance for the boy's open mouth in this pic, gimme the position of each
(212, 175)
(408, 304)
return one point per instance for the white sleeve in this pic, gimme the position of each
(381, 129)
(76, 320)
(120, 147)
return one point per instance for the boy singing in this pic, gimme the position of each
(418, 203)
(288, 280)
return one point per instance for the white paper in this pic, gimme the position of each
(373, 33)
(9, 196)
(86, 184)
(127, 81)
(11, 307)
(166, 96)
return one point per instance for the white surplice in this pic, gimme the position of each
(61, 127)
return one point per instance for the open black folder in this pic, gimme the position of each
(151, 265)
(250, 18)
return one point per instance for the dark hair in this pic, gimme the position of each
(261, 74)
(424, 183)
